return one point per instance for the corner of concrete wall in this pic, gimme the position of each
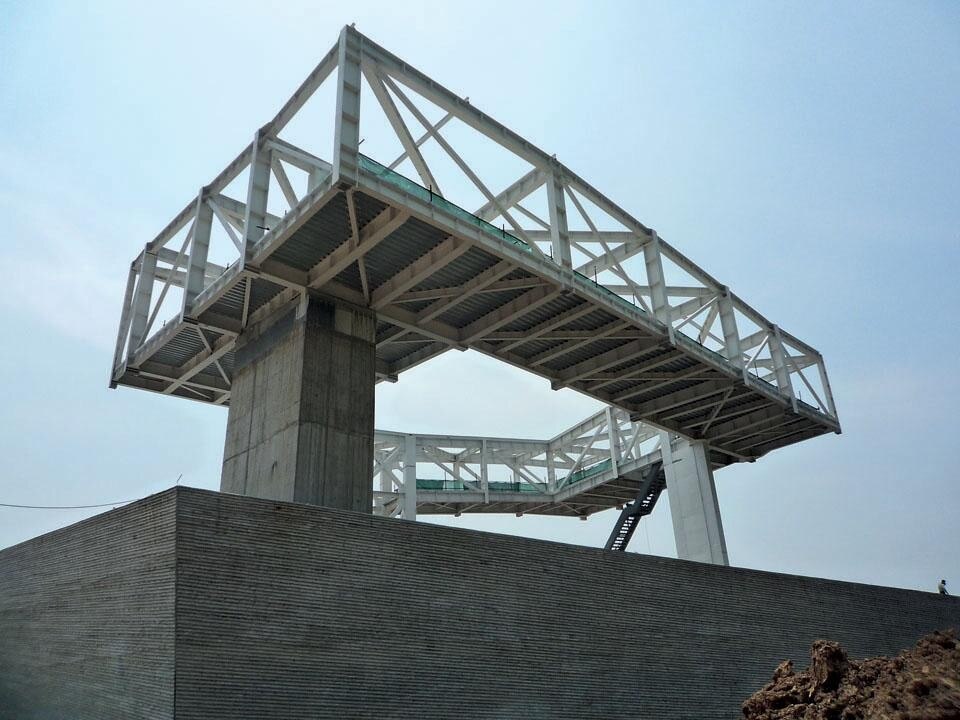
(86, 618)
(289, 610)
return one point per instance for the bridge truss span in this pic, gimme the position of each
(595, 465)
(546, 273)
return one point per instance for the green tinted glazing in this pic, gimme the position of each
(589, 472)
(409, 186)
(459, 486)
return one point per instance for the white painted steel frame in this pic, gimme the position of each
(593, 466)
(704, 321)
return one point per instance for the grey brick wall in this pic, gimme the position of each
(291, 611)
(86, 618)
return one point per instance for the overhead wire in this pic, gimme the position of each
(76, 507)
(66, 507)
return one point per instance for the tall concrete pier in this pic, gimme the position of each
(694, 508)
(300, 427)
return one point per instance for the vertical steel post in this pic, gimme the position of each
(551, 470)
(346, 142)
(141, 302)
(559, 234)
(258, 188)
(825, 382)
(728, 324)
(199, 249)
(124, 322)
(778, 356)
(484, 470)
(410, 477)
(614, 442)
(655, 279)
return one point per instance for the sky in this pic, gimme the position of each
(806, 154)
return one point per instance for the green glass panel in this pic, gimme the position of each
(409, 186)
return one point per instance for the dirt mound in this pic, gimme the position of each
(922, 683)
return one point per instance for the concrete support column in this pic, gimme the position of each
(301, 408)
(693, 502)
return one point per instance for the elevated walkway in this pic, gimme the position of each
(548, 275)
(462, 283)
(595, 465)
(607, 461)
(321, 248)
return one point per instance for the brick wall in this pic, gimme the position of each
(86, 618)
(292, 611)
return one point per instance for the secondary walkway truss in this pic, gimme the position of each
(598, 464)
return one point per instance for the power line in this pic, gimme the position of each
(77, 507)
(65, 507)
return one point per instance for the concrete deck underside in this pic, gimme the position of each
(192, 604)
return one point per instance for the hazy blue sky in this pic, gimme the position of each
(806, 154)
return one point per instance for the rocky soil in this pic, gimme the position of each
(922, 683)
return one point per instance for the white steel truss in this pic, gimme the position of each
(595, 465)
(548, 274)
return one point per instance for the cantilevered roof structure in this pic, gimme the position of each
(543, 272)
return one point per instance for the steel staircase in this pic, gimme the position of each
(653, 483)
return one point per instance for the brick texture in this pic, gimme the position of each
(87, 618)
(293, 611)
